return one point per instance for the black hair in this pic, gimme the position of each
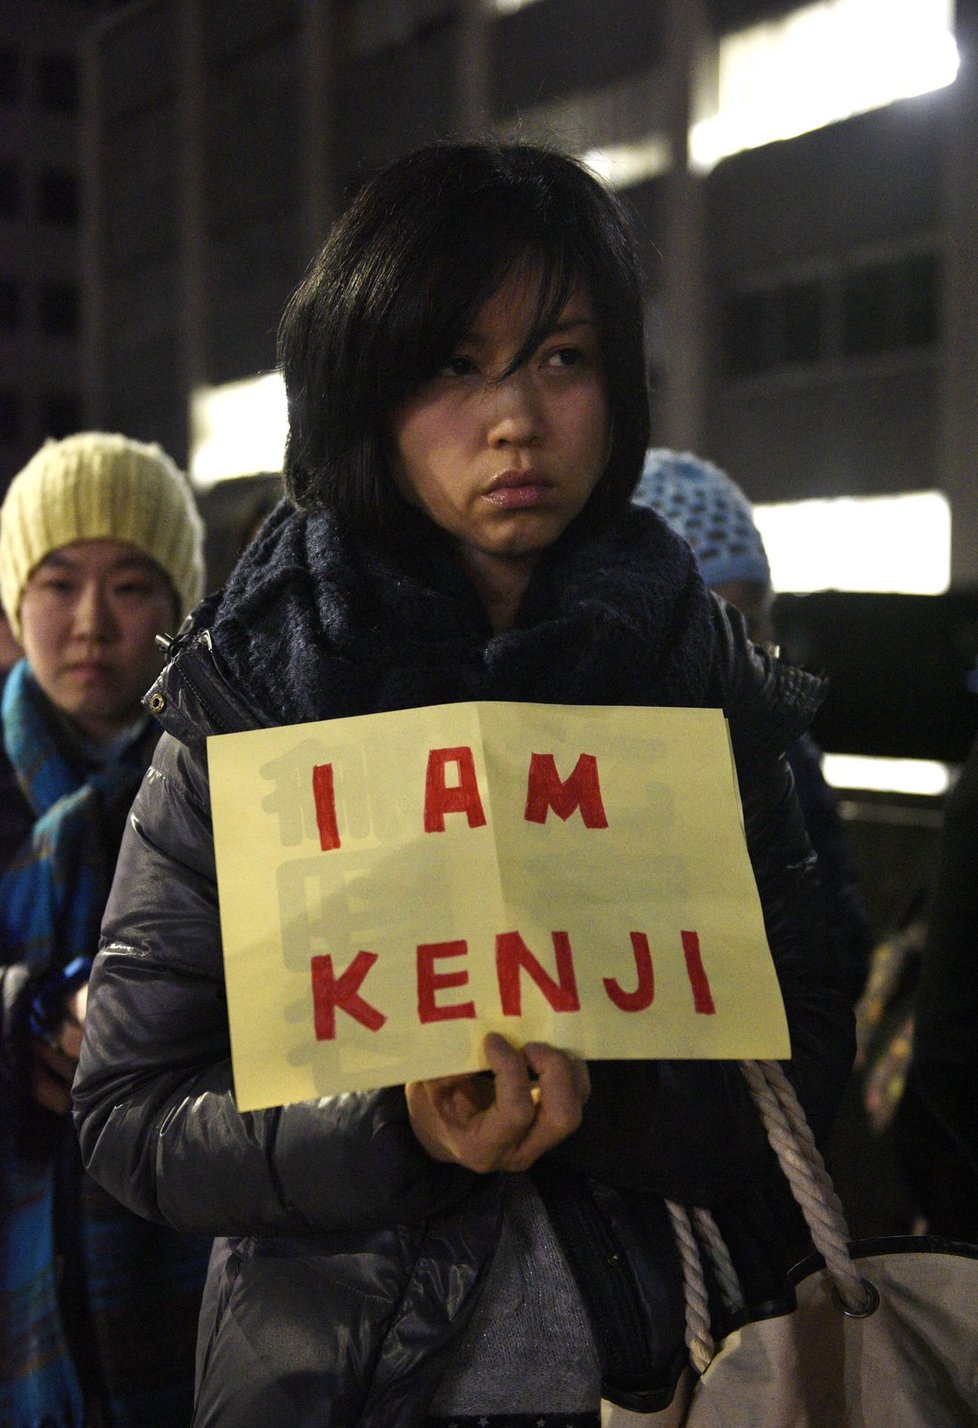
(397, 285)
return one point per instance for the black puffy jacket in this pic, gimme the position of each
(353, 1259)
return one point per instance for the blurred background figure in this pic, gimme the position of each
(100, 551)
(937, 1117)
(254, 516)
(714, 516)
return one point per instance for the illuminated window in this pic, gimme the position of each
(822, 63)
(621, 165)
(507, 7)
(892, 544)
(237, 429)
(922, 777)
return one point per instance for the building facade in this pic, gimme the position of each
(812, 300)
(41, 379)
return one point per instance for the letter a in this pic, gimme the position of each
(512, 953)
(644, 994)
(545, 789)
(330, 992)
(463, 798)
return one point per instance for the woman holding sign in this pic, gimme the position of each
(468, 418)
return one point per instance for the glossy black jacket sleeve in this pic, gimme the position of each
(687, 1129)
(153, 1096)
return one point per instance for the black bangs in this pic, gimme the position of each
(450, 324)
(458, 264)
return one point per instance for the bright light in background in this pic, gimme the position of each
(914, 776)
(620, 165)
(237, 429)
(820, 64)
(894, 544)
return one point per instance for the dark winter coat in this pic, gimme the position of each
(355, 1259)
(97, 1308)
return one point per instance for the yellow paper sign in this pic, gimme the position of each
(394, 886)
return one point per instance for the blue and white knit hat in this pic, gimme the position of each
(709, 511)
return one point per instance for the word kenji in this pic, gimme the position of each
(332, 992)
(544, 790)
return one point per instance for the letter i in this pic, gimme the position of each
(698, 980)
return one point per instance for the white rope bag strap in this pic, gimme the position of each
(794, 1145)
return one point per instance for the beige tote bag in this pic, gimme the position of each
(884, 1333)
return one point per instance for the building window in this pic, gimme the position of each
(58, 197)
(773, 327)
(58, 309)
(9, 303)
(9, 77)
(57, 84)
(11, 191)
(60, 414)
(882, 306)
(11, 416)
(892, 305)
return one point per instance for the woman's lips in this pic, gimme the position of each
(516, 490)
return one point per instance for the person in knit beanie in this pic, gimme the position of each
(100, 552)
(713, 515)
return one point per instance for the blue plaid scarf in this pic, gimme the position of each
(53, 893)
(80, 1277)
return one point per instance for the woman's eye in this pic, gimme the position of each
(565, 357)
(457, 367)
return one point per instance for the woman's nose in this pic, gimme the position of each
(516, 415)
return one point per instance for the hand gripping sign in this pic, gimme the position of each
(394, 886)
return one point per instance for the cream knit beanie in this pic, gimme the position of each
(96, 485)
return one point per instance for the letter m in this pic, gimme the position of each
(545, 789)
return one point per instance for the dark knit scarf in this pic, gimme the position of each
(92, 1301)
(317, 624)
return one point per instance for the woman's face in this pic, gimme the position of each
(504, 466)
(90, 614)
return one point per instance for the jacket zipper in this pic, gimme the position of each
(205, 704)
(603, 1276)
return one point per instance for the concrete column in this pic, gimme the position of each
(960, 427)
(472, 106)
(192, 207)
(685, 292)
(92, 254)
(322, 46)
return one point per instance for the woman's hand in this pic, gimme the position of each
(53, 1064)
(505, 1121)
